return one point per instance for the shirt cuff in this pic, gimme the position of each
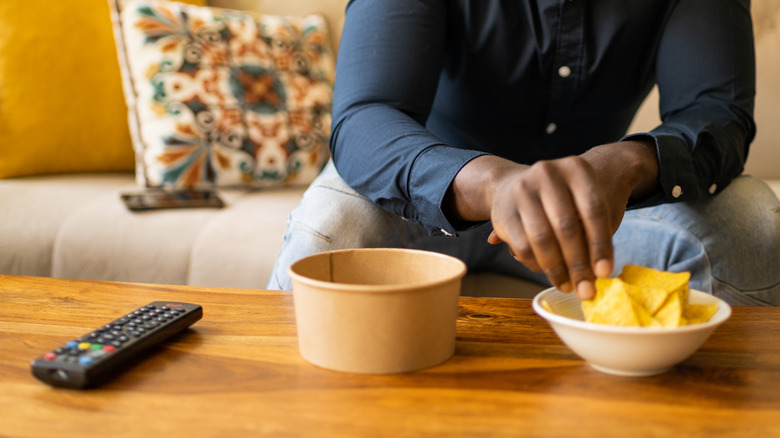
(676, 177)
(431, 176)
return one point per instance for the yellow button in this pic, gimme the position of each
(677, 191)
(564, 71)
(85, 346)
(713, 188)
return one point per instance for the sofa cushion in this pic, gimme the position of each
(61, 103)
(332, 10)
(226, 98)
(102, 240)
(238, 247)
(75, 226)
(34, 209)
(763, 158)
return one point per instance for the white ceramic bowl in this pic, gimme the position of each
(627, 351)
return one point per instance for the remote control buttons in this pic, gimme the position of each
(75, 351)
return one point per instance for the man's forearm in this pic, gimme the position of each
(629, 164)
(470, 196)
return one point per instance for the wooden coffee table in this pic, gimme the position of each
(237, 372)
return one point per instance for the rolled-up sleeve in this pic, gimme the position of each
(706, 79)
(390, 58)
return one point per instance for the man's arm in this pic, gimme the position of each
(390, 59)
(558, 216)
(706, 78)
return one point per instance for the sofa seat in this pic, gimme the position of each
(76, 226)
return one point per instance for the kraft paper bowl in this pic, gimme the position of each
(627, 351)
(376, 310)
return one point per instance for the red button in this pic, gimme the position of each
(109, 348)
(50, 356)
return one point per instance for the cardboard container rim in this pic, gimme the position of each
(378, 288)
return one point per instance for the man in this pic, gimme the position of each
(502, 123)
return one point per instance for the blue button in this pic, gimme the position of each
(85, 360)
(72, 344)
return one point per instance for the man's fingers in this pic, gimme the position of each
(565, 218)
(493, 238)
(539, 229)
(596, 220)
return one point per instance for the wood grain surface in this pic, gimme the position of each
(237, 372)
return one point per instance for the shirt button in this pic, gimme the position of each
(676, 191)
(551, 128)
(564, 71)
(713, 188)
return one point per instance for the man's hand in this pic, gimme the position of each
(558, 216)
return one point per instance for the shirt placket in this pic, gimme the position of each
(567, 66)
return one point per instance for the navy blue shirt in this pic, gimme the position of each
(424, 86)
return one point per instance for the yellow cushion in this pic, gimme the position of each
(61, 102)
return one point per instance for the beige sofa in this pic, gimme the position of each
(74, 225)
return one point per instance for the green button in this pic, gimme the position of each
(96, 346)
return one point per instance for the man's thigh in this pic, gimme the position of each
(332, 216)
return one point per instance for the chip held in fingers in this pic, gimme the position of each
(645, 297)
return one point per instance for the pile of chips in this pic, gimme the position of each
(645, 297)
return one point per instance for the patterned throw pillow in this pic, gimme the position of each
(225, 98)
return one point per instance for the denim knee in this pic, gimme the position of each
(730, 243)
(332, 216)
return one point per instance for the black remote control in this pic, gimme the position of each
(100, 355)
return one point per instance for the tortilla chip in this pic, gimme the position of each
(648, 278)
(696, 313)
(645, 297)
(651, 299)
(671, 314)
(602, 284)
(615, 305)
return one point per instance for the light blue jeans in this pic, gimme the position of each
(730, 243)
